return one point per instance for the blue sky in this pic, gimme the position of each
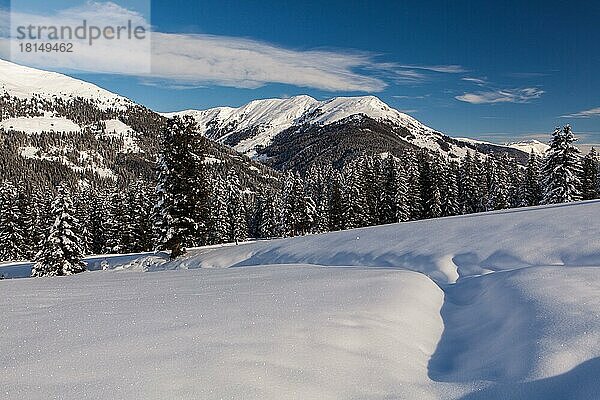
(497, 70)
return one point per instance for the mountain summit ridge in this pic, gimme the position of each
(255, 127)
(270, 130)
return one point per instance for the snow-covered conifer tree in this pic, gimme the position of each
(562, 168)
(450, 204)
(140, 202)
(590, 184)
(467, 184)
(266, 216)
(13, 244)
(219, 213)
(181, 211)
(336, 202)
(498, 198)
(61, 252)
(531, 190)
(354, 207)
(236, 210)
(388, 204)
(414, 197)
(305, 208)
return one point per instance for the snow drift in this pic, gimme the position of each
(444, 249)
(503, 305)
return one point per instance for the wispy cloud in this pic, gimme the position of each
(196, 60)
(245, 63)
(593, 112)
(445, 69)
(411, 97)
(476, 81)
(517, 95)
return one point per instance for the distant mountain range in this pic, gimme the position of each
(50, 118)
(274, 130)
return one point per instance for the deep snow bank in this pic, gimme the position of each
(444, 249)
(280, 332)
(520, 326)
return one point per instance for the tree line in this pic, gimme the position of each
(192, 202)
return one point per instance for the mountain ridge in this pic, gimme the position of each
(356, 125)
(253, 129)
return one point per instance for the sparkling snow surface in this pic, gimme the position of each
(504, 305)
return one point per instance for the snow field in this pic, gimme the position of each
(501, 305)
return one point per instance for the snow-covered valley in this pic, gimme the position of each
(501, 305)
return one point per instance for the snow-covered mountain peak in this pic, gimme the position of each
(25, 82)
(255, 124)
(529, 146)
(340, 108)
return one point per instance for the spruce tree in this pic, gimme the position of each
(450, 203)
(305, 208)
(467, 184)
(266, 216)
(590, 188)
(402, 199)
(181, 210)
(498, 198)
(219, 212)
(99, 206)
(336, 203)
(83, 214)
(354, 207)
(531, 189)
(236, 210)
(139, 207)
(388, 207)
(61, 253)
(562, 168)
(118, 222)
(288, 206)
(372, 189)
(13, 243)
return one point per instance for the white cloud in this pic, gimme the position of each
(519, 95)
(476, 81)
(445, 69)
(411, 97)
(196, 60)
(594, 112)
(228, 61)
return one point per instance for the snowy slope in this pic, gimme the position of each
(530, 145)
(262, 120)
(24, 82)
(35, 125)
(526, 146)
(347, 315)
(444, 249)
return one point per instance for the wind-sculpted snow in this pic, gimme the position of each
(512, 311)
(443, 249)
